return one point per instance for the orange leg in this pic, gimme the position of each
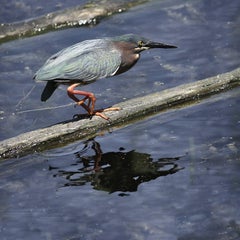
(91, 101)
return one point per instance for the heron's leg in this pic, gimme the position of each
(91, 101)
(90, 96)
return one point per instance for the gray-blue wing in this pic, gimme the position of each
(85, 61)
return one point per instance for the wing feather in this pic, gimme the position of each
(85, 61)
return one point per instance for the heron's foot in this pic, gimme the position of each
(101, 114)
(111, 109)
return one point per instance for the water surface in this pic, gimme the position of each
(171, 176)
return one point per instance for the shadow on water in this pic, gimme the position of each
(114, 171)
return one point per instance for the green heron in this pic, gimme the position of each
(87, 61)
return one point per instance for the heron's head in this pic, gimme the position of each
(139, 43)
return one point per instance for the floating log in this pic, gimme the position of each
(83, 15)
(131, 110)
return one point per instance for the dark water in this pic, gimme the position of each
(172, 176)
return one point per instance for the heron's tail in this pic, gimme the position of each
(48, 90)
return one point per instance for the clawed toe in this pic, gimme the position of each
(100, 112)
(111, 109)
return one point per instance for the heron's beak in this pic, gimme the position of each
(158, 45)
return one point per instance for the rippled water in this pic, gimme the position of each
(171, 176)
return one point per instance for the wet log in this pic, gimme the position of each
(131, 110)
(83, 15)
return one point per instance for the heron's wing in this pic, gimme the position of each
(85, 61)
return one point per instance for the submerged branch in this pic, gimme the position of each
(132, 110)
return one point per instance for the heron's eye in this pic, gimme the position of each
(140, 43)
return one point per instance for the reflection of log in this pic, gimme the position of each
(89, 14)
(132, 110)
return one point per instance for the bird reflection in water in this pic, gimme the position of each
(115, 171)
